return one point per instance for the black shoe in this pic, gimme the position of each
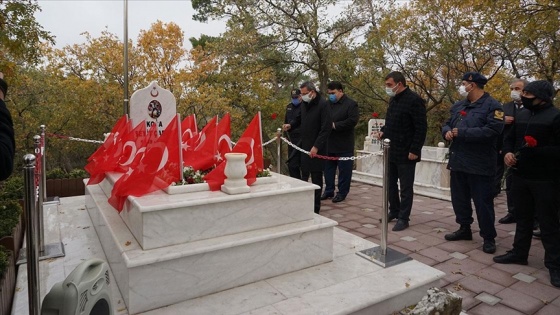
(326, 196)
(392, 216)
(338, 198)
(509, 218)
(510, 258)
(537, 234)
(489, 246)
(555, 277)
(536, 225)
(401, 225)
(463, 233)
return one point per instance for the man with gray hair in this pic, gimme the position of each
(7, 142)
(315, 123)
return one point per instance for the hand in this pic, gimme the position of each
(509, 120)
(509, 159)
(1, 75)
(379, 135)
(449, 136)
(333, 126)
(412, 156)
(286, 127)
(313, 152)
(455, 132)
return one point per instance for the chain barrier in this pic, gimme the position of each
(324, 157)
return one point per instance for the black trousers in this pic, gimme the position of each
(509, 194)
(465, 187)
(404, 175)
(294, 163)
(542, 198)
(317, 179)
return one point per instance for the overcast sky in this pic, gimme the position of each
(67, 19)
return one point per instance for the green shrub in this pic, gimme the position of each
(10, 212)
(56, 173)
(12, 189)
(3, 260)
(78, 173)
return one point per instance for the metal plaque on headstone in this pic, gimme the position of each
(154, 104)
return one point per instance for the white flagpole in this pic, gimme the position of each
(180, 134)
(125, 65)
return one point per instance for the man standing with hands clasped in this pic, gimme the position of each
(533, 152)
(406, 127)
(474, 126)
(315, 124)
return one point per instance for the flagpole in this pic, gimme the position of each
(125, 66)
(180, 147)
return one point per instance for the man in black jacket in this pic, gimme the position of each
(292, 110)
(510, 111)
(315, 123)
(406, 127)
(533, 151)
(7, 142)
(345, 115)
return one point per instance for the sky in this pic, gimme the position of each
(68, 19)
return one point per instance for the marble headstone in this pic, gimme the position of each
(154, 104)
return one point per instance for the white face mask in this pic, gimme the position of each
(390, 90)
(463, 91)
(515, 95)
(306, 98)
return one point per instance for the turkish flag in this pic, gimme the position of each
(224, 139)
(106, 158)
(188, 128)
(249, 143)
(202, 155)
(156, 170)
(135, 143)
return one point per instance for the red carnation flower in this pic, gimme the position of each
(530, 141)
(463, 113)
(375, 115)
(273, 116)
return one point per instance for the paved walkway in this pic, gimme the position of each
(487, 288)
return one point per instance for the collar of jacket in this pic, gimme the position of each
(397, 96)
(479, 101)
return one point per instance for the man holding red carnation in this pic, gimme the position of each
(474, 126)
(532, 152)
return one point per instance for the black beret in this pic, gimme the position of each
(541, 89)
(296, 92)
(3, 86)
(475, 77)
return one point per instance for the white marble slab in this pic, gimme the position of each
(162, 276)
(159, 219)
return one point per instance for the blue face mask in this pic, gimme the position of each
(332, 98)
(296, 101)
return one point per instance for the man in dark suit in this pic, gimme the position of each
(292, 110)
(406, 126)
(315, 123)
(7, 142)
(345, 116)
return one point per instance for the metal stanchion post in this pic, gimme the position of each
(43, 161)
(382, 255)
(278, 150)
(32, 236)
(40, 188)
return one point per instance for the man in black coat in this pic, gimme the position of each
(315, 123)
(292, 110)
(7, 142)
(345, 116)
(533, 151)
(510, 111)
(406, 126)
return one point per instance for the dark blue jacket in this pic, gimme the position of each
(474, 150)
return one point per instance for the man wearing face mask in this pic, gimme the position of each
(533, 152)
(345, 115)
(474, 126)
(406, 127)
(292, 110)
(315, 123)
(510, 111)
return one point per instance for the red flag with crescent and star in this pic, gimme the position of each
(249, 143)
(156, 170)
(201, 155)
(224, 139)
(135, 143)
(189, 132)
